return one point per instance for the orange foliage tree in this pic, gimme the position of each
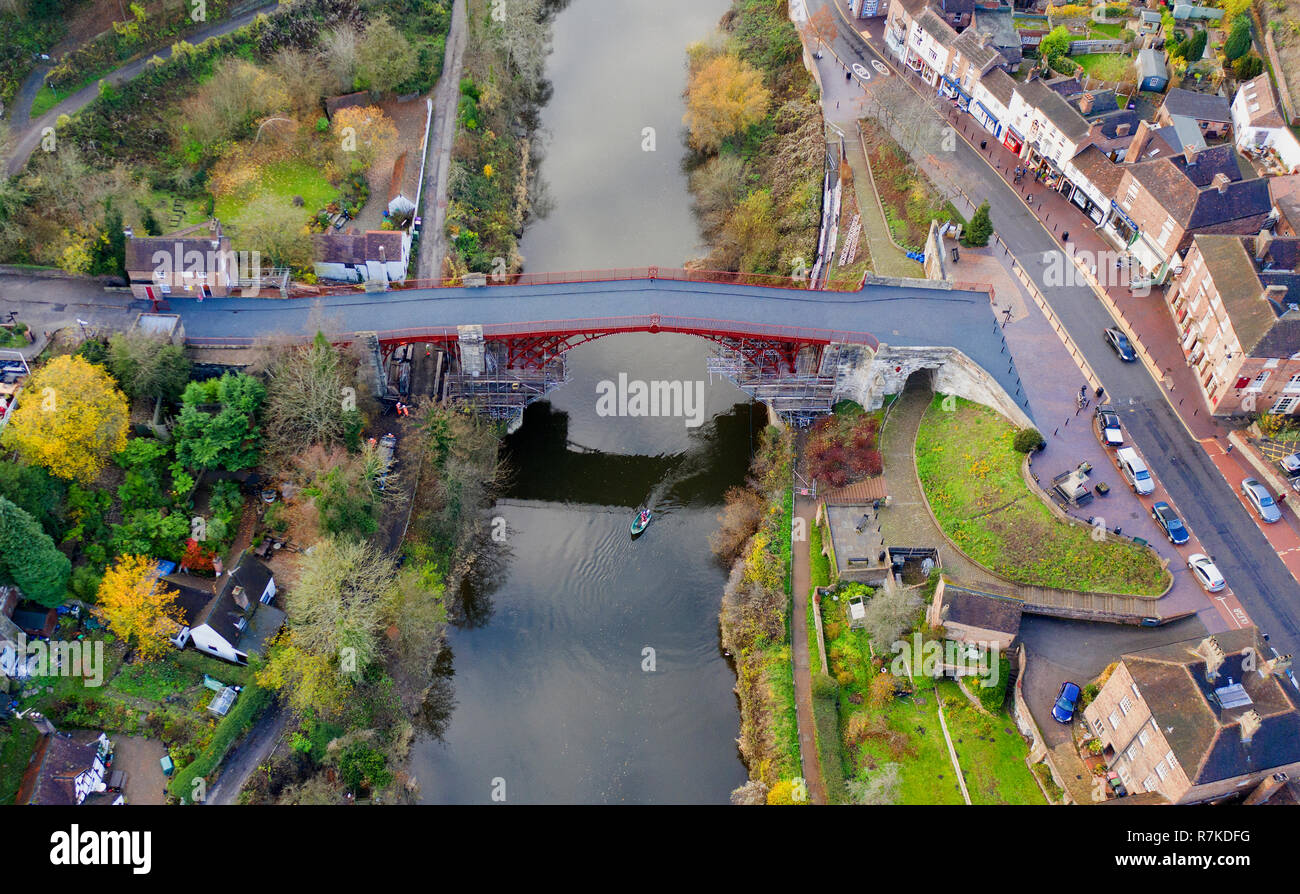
(138, 607)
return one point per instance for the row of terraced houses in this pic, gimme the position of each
(1174, 196)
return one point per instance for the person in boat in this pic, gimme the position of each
(643, 517)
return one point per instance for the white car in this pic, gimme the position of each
(1205, 572)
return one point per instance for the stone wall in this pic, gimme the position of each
(868, 381)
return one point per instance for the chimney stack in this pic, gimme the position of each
(1189, 154)
(1275, 293)
(240, 597)
(1141, 137)
(1262, 243)
(1221, 182)
(1279, 666)
(1209, 650)
(1085, 103)
(1250, 724)
(1123, 129)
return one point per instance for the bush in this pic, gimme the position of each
(251, 702)
(1248, 67)
(1027, 440)
(981, 226)
(1238, 41)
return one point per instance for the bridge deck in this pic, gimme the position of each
(905, 315)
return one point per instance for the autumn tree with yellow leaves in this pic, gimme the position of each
(138, 606)
(70, 419)
(366, 136)
(724, 97)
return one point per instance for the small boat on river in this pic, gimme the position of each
(641, 521)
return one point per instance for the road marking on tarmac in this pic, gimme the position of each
(880, 67)
(861, 72)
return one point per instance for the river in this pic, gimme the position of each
(596, 674)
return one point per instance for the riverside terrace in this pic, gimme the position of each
(794, 349)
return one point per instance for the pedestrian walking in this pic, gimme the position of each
(848, 75)
(1065, 237)
(1229, 450)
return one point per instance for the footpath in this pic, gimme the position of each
(801, 581)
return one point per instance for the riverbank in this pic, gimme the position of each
(502, 89)
(756, 171)
(755, 623)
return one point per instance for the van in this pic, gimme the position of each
(1135, 471)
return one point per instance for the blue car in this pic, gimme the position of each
(1120, 343)
(1170, 523)
(1063, 710)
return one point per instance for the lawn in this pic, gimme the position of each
(1105, 30)
(972, 479)
(17, 742)
(1107, 66)
(991, 752)
(283, 180)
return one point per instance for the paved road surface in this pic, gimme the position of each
(1257, 576)
(26, 140)
(433, 237)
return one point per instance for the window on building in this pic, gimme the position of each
(1161, 770)
(1258, 383)
(1126, 705)
(1130, 195)
(1149, 784)
(1131, 754)
(1136, 694)
(1114, 719)
(1166, 231)
(1293, 384)
(1170, 758)
(1283, 406)
(1144, 737)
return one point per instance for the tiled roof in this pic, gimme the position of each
(1151, 62)
(357, 248)
(1000, 84)
(1066, 118)
(1259, 91)
(1263, 328)
(983, 610)
(1205, 736)
(1201, 106)
(1099, 170)
(934, 25)
(185, 252)
(1208, 163)
(50, 778)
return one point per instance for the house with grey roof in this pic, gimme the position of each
(1214, 719)
(1211, 113)
(975, 616)
(1152, 73)
(231, 617)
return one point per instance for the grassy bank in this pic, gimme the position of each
(756, 178)
(909, 198)
(971, 475)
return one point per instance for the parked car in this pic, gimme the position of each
(1119, 342)
(1206, 572)
(1290, 464)
(1135, 471)
(1258, 496)
(1108, 427)
(1063, 710)
(1170, 523)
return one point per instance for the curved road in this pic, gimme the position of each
(1256, 575)
(28, 133)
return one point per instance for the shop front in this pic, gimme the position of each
(1013, 140)
(985, 119)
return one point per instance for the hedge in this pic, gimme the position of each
(250, 704)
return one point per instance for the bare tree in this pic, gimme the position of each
(879, 788)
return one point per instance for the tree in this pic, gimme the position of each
(311, 397)
(29, 558)
(724, 97)
(1194, 47)
(1239, 39)
(821, 26)
(877, 789)
(365, 135)
(339, 52)
(350, 498)
(36, 492)
(981, 226)
(741, 515)
(1247, 67)
(138, 606)
(278, 230)
(363, 766)
(887, 615)
(229, 103)
(1054, 45)
(753, 792)
(525, 37)
(385, 59)
(881, 690)
(217, 428)
(147, 366)
(70, 419)
(336, 607)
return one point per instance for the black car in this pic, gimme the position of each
(1119, 341)
(1170, 523)
(1108, 427)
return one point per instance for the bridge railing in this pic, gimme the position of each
(676, 274)
(597, 326)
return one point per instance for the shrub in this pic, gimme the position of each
(1027, 440)
(981, 226)
(824, 686)
(1238, 41)
(1248, 67)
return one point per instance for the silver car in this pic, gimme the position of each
(1259, 497)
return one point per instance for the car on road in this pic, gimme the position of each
(1108, 428)
(1063, 710)
(1258, 496)
(1290, 464)
(1206, 572)
(1169, 522)
(1120, 344)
